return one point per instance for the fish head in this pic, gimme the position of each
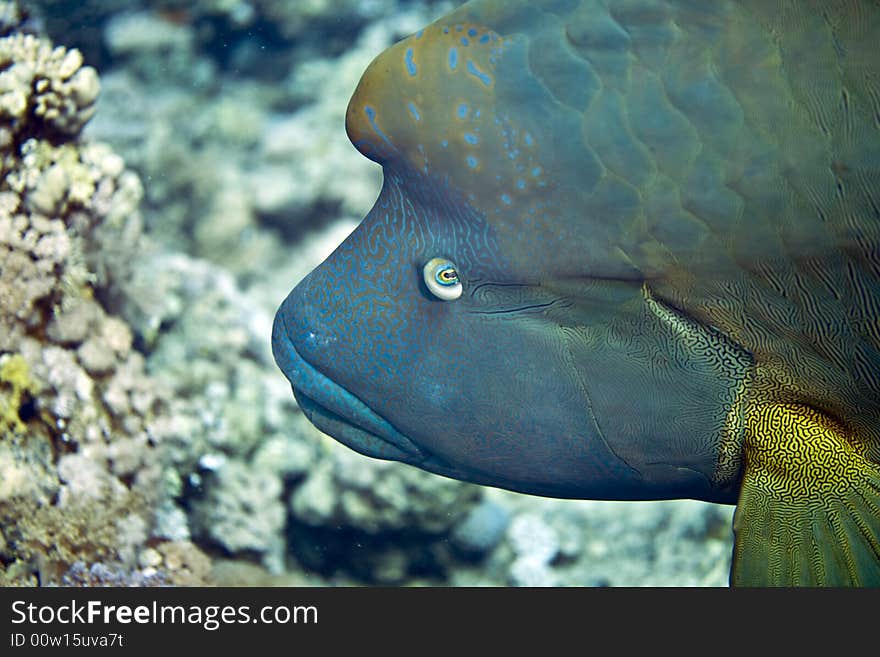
(457, 328)
(468, 379)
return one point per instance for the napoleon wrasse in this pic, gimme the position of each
(625, 249)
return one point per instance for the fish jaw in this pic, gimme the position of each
(342, 415)
(332, 408)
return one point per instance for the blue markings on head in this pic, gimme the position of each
(414, 111)
(471, 138)
(472, 32)
(472, 162)
(520, 184)
(453, 58)
(484, 38)
(421, 150)
(465, 41)
(505, 198)
(410, 64)
(536, 172)
(445, 143)
(527, 138)
(370, 111)
(462, 111)
(477, 73)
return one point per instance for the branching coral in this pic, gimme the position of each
(43, 89)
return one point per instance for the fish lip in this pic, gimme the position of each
(335, 410)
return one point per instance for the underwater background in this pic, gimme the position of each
(170, 170)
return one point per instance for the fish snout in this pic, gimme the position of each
(308, 319)
(306, 347)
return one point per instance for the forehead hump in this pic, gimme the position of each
(488, 102)
(430, 104)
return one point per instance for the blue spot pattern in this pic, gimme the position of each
(410, 63)
(370, 111)
(477, 73)
(453, 58)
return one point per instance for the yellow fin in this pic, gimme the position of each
(809, 507)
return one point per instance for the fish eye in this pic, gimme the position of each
(441, 277)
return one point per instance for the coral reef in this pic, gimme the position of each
(586, 543)
(43, 89)
(535, 545)
(79, 460)
(242, 511)
(174, 563)
(481, 530)
(376, 496)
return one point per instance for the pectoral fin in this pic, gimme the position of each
(809, 507)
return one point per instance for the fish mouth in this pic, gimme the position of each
(336, 411)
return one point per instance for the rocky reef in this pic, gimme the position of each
(152, 218)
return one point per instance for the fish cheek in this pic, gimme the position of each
(493, 398)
